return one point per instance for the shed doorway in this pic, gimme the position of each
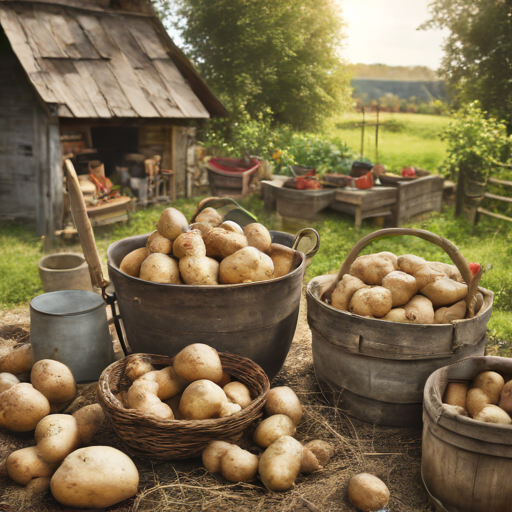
(113, 143)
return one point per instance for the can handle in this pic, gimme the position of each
(450, 249)
(84, 228)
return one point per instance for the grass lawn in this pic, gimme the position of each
(490, 243)
(404, 139)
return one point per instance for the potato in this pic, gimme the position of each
(25, 464)
(419, 268)
(18, 359)
(142, 396)
(95, 477)
(247, 265)
(493, 414)
(89, 420)
(57, 435)
(7, 380)
(309, 462)
(238, 465)
(401, 285)
(169, 384)
(345, 289)
(455, 410)
(158, 243)
(38, 485)
(272, 428)
(189, 244)
(419, 310)
(258, 236)
(450, 271)
(280, 464)
(367, 492)
(131, 263)
(491, 383)
(54, 380)
(221, 243)
(283, 400)
(373, 302)
(137, 366)
(371, 269)
(229, 225)
(228, 409)
(210, 216)
(226, 379)
(322, 450)
(172, 223)
(202, 227)
(455, 394)
(160, 268)
(390, 257)
(174, 404)
(397, 315)
(506, 397)
(202, 400)
(445, 292)
(238, 393)
(282, 257)
(213, 453)
(22, 407)
(476, 400)
(448, 315)
(409, 263)
(199, 270)
(198, 361)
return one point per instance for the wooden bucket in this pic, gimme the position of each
(376, 369)
(466, 464)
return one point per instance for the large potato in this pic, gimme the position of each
(160, 268)
(419, 268)
(221, 243)
(419, 310)
(445, 292)
(258, 236)
(25, 464)
(322, 450)
(451, 271)
(18, 359)
(282, 257)
(202, 400)
(373, 302)
(367, 492)
(95, 477)
(272, 428)
(213, 453)
(506, 397)
(54, 380)
(491, 383)
(169, 384)
(57, 435)
(283, 400)
(22, 407)
(344, 291)
(455, 394)
(210, 216)
(142, 396)
(401, 285)
(247, 265)
(132, 261)
(238, 465)
(158, 243)
(172, 223)
(238, 393)
(493, 414)
(198, 361)
(476, 400)
(189, 244)
(7, 380)
(371, 269)
(203, 271)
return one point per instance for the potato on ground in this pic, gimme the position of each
(26, 464)
(401, 285)
(7, 380)
(367, 492)
(22, 407)
(189, 244)
(238, 393)
(247, 265)
(221, 243)
(309, 462)
(493, 414)
(506, 397)
(491, 383)
(456, 393)
(172, 223)
(57, 435)
(282, 257)
(283, 400)
(344, 291)
(373, 302)
(54, 379)
(160, 268)
(258, 236)
(202, 400)
(203, 271)
(371, 268)
(448, 315)
(272, 428)
(131, 263)
(322, 450)
(213, 453)
(445, 292)
(95, 477)
(419, 310)
(18, 359)
(89, 420)
(210, 216)
(198, 361)
(238, 465)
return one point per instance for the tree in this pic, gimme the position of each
(477, 64)
(281, 55)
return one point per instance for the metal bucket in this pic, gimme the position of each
(254, 320)
(64, 271)
(70, 326)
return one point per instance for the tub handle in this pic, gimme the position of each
(450, 249)
(307, 240)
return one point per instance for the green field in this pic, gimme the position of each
(404, 139)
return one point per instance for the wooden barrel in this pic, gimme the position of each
(376, 369)
(465, 464)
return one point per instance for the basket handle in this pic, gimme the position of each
(450, 249)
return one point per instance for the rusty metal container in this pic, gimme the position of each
(466, 464)
(376, 369)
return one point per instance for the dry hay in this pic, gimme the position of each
(392, 454)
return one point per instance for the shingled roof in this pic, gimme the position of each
(90, 62)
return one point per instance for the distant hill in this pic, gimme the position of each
(372, 89)
(395, 73)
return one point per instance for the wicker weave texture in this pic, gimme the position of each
(160, 440)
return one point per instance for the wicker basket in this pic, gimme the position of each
(156, 439)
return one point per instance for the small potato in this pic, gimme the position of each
(397, 315)
(280, 464)
(158, 243)
(25, 464)
(202, 227)
(371, 269)
(476, 400)
(419, 310)
(210, 216)
(272, 428)
(506, 397)
(445, 292)
(229, 225)
(322, 450)
(283, 400)
(226, 379)
(491, 383)
(132, 261)
(22, 407)
(18, 359)
(455, 410)
(172, 223)
(57, 435)
(95, 477)
(89, 420)
(283, 258)
(137, 367)
(228, 409)
(169, 384)
(455, 394)
(309, 462)
(258, 236)
(401, 285)
(142, 396)
(202, 400)
(448, 315)
(160, 268)
(189, 244)
(493, 414)
(373, 302)
(198, 361)
(213, 453)
(201, 271)
(7, 380)
(344, 291)
(238, 393)
(221, 243)
(54, 380)
(238, 465)
(367, 492)
(247, 265)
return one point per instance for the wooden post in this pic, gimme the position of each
(459, 199)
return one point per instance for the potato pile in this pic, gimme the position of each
(208, 252)
(487, 398)
(405, 289)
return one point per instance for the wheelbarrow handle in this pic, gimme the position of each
(111, 300)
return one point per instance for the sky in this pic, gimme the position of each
(384, 32)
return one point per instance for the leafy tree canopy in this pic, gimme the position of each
(282, 55)
(478, 52)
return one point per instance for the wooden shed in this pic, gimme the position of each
(89, 75)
